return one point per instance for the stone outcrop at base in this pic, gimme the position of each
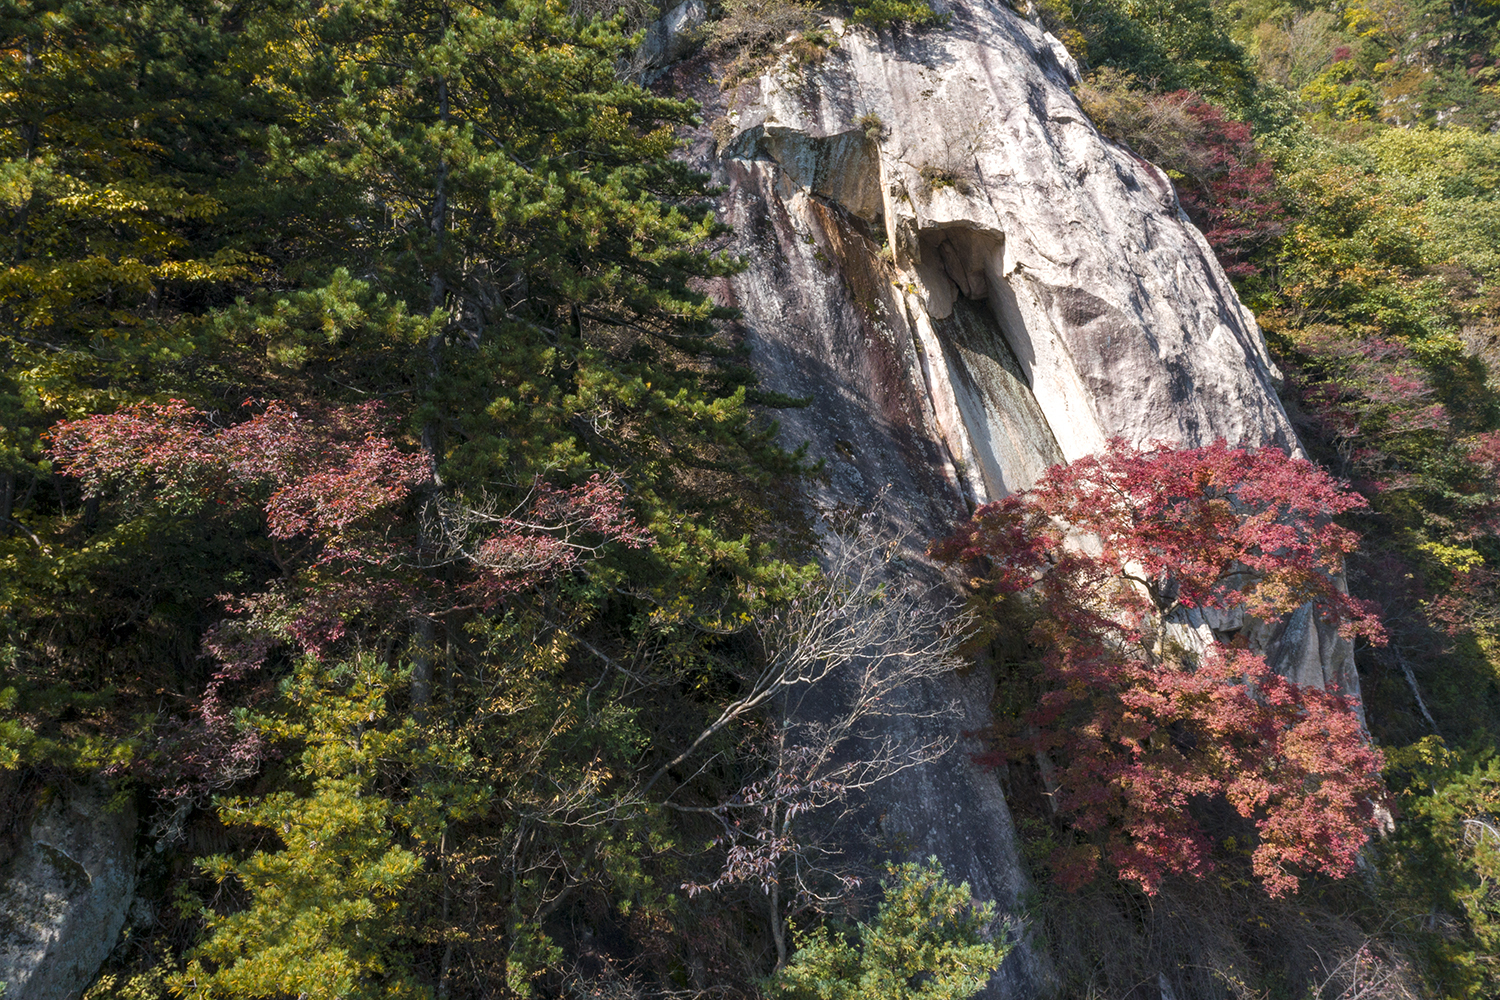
(65, 894)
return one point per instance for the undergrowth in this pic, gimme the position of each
(883, 13)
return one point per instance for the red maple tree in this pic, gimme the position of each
(1229, 189)
(1145, 714)
(353, 523)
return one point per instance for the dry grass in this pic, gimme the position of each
(751, 32)
(1156, 126)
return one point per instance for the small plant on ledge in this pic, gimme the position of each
(808, 49)
(882, 13)
(941, 177)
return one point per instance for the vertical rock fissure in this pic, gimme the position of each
(1013, 440)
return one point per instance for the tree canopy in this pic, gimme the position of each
(1148, 713)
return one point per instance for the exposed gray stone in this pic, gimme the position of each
(995, 187)
(669, 38)
(970, 283)
(65, 894)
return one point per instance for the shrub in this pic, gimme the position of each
(1157, 126)
(1446, 858)
(1225, 187)
(940, 177)
(881, 13)
(927, 942)
(750, 31)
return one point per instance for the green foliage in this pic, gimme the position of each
(327, 912)
(122, 221)
(1338, 92)
(460, 211)
(1057, 16)
(1400, 61)
(1380, 310)
(928, 941)
(149, 985)
(1452, 176)
(1382, 320)
(1446, 857)
(1167, 45)
(882, 13)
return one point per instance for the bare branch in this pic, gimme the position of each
(843, 660)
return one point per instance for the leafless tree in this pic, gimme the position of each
(837, 684)
(845, 666)
(1365, 974)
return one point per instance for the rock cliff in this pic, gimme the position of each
(970, 283)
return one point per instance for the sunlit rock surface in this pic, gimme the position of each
(965, 152)
(970, 284)
(667, 39)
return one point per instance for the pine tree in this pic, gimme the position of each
(929, 940)
(456, 395)
(122, 131)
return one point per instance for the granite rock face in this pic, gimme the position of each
(971, 284)
(65, 895)
(964, 151)
(668, 38)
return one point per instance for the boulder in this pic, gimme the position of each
(668, 39)
(65, 894)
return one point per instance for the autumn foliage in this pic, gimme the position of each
(1223, 183)
(317, 477)
(1118, 565)
(356, 532)
(332, 488)
(1230, 190)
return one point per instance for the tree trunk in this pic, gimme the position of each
(422, 653)
(438, 290)
(421, 669)
(447, 960)
(778, 930)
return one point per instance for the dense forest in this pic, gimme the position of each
(392, 520)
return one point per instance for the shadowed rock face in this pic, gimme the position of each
(64, 896)
(971, 284)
